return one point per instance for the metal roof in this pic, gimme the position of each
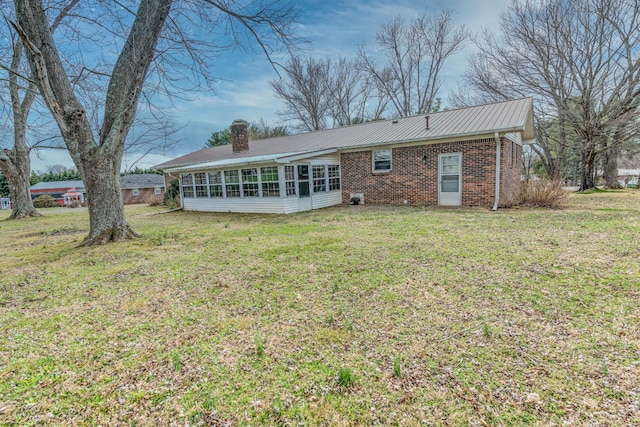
(502, 117)
(53, 185)
(145, 180)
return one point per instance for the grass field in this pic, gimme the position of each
(354, 315)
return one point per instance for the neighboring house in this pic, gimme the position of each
(139, 188)
(628, 176)
(135, 189)
(58, 190)
(469, 156)
(5, 203)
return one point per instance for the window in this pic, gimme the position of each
(333, 172)
(135, 191)
(250, 182)
(270, 182)
(319, 183)
(232, 183)
(215, 184)
(200, 179)
(157, 190)
(381, 160)
(290, 180)
(187, 185)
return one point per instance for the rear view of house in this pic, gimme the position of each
(470, 156)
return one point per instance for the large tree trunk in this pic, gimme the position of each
(106, 209)
(15, 164)
(587, 171)
(610, 163)
(17, 173)
(97, 161)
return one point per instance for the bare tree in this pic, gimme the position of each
(99, 157)
(415, 55)
(304, 93)
(15, 162)
(261, 130)
(579, 59)
(347, 103)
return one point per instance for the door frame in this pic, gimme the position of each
(450, 200)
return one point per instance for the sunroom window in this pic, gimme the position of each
(382, 160)
(270, 182)
(290, 180)
(232, 183)
(200, 179)
(187, 185)
(319, 183)
(333, 172)
(215, 184)
(250, 182)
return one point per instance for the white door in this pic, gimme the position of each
(449, 179)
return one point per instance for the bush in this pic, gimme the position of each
(45, 201)
(172, 195)
(542, 194)
(154, 200)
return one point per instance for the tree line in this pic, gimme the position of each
(58, 173)
(579, 60)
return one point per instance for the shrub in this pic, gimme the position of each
(542, 194)
(154, 200)
(45, 201)
(172, 195)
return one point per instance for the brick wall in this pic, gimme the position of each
(144, 195)
(417, 183)
(510, 171)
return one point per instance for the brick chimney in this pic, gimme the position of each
(239, 135)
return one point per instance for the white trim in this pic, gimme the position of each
(440, 156)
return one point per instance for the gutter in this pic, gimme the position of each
(497, 195)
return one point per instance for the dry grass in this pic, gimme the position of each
(439, 317)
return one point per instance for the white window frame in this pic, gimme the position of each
(135, 191)
(338, 177)
(157, 190)
(373, 161)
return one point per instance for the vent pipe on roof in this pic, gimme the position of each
(427, 120)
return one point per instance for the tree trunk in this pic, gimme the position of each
(587, 171)
(106, 208)
(97, 161)
(610, 164)
(17, 174)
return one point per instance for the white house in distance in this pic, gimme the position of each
(469, 156)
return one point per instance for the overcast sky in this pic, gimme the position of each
(334, 28)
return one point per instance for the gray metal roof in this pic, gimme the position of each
(146, 180)
(52, 185)
(502, 117)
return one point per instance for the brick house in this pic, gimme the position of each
(140, 188)
(59, 190)
(469, 156)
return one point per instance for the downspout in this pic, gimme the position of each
(497, 195)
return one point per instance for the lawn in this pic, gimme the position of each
(353, 315)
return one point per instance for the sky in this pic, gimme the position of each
(334, 28)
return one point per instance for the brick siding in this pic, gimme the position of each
(417, 183)
(145, 194)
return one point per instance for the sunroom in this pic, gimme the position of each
(285, 183)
